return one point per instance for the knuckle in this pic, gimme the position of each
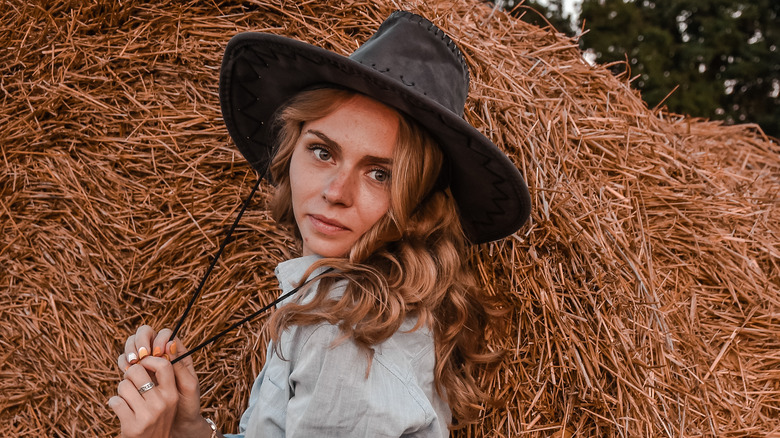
(131, 371)
(190, 386)
(136, 371)
(171, 398)
(132, 430)
(158, 405)
(124, 386)
(164, 334)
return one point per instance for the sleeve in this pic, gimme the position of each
(334, 392)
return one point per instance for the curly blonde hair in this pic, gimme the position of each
(412, 262)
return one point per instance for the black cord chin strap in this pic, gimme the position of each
(214, 261)
(197, 292)
(246, 319)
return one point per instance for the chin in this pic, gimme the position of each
(326, 249)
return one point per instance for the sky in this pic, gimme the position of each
(569, 6)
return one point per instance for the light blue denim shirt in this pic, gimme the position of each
(322, 390)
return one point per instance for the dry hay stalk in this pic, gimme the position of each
(643, 295)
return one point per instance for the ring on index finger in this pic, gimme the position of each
(145, 387)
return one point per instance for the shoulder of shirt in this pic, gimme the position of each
(314, 338)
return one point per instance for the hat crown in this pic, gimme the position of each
(409, 65)
(413, 51)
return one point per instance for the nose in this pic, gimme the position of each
(340, 189)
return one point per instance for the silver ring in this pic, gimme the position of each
(145, 387)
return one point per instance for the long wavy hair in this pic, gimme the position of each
(412, 262)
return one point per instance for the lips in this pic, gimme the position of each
(327, 226)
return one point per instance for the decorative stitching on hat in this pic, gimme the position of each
(373, 65)
(431, 28)
(482, 222)
(498, 182)
(450, 43)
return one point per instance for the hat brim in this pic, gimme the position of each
(261, 72)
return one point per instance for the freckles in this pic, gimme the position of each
(378, 206)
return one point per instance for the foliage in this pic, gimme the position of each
(722, 55)
(544, 14)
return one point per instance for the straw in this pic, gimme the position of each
(643, 296)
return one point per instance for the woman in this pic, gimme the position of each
(381, 179)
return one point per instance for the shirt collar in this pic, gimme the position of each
(290, 273)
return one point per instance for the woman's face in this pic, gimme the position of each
(340, 175)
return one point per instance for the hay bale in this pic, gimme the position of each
(643, 294)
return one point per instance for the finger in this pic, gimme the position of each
(121, 409)
(162, 370)
(143, 341)
(129, 393)
(186, 379)
(138, 375)
(183, 368)
(175, 348)
(131, 354)
(123, 363)
(160, 341)
(167, 385)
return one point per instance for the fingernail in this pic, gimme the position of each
(132, 358)
(142, 353)
(173, 347)
(168, 358)
(157, 352)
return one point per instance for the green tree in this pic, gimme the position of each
(722, 56)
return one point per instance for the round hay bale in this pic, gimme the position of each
(643, 297)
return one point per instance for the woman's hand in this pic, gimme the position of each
(171, 408)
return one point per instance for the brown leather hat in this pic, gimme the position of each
(408, 64)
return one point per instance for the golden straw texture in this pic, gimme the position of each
(643, 295)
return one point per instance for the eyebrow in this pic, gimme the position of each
(333, 144)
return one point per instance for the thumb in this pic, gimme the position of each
(188, 410)
(184, 370)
